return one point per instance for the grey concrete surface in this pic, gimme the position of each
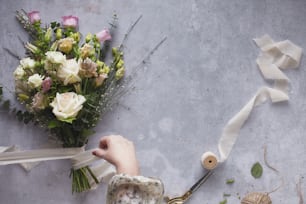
(198, 79)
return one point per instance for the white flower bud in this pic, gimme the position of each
(19, 72)
(68, 72)
(55, 57)
(27, 63)
(35, 81)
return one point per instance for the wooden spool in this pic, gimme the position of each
(209, 160)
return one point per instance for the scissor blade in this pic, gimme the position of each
(200, 181)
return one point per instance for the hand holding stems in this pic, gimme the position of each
(120, 152)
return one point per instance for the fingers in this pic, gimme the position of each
(103, 146)
(99, 153)
(105, 143)
(120, 152)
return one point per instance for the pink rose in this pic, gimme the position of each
(46, 84)
(103, 35)
(34, 16)
(70, 21)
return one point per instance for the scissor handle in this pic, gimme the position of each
(182, 199)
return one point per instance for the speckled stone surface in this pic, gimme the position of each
(197, 80)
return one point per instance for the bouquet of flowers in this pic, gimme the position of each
(65, 83)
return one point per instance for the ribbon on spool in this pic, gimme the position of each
(274, 56)
(209, 160)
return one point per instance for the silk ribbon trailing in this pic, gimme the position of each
(79, 158)
(273, 57)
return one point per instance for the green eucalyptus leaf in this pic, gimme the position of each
(230, 181)
(256, 170)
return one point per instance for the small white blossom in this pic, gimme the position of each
(35, 81)
(55, 57)
(19, 72)
(68, 73)
(27, 63)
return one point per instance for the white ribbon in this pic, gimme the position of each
(16, 157)
(80, 158)
(274, 56)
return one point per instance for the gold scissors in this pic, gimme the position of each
(182, 199)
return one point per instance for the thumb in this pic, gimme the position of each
(99, 153)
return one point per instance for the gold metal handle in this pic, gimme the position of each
(182, 199)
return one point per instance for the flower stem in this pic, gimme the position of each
(80, 179)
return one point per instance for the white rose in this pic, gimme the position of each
(67, 105)
(35, 81)
(19, 72)
(68, 73)
(55, 57)
(27, 63)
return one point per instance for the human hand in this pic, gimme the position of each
(120, 152)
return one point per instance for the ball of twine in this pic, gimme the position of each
(256, 198)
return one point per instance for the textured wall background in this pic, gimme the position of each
(199, 78)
